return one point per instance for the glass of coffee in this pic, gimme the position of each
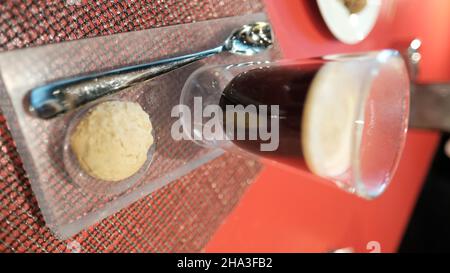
(342, 117)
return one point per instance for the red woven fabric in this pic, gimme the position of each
(178, 218)
(28, 23)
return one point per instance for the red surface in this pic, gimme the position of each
(291, 211)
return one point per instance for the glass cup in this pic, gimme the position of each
(342, 117)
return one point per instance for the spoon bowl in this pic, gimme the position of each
(250, 39)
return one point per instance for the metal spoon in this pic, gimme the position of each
(50, 100)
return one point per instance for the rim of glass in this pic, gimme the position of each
(359, 185)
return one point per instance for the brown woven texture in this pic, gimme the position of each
(182, 216)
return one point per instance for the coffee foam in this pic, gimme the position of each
(329, 118)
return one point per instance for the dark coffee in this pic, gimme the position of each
(286, 86)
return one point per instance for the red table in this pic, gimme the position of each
(292, 211)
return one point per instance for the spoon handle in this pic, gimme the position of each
(50, 100)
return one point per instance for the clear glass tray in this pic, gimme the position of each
(67, 207)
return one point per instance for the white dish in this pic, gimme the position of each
(346, 27)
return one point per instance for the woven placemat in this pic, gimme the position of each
(182, 216)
